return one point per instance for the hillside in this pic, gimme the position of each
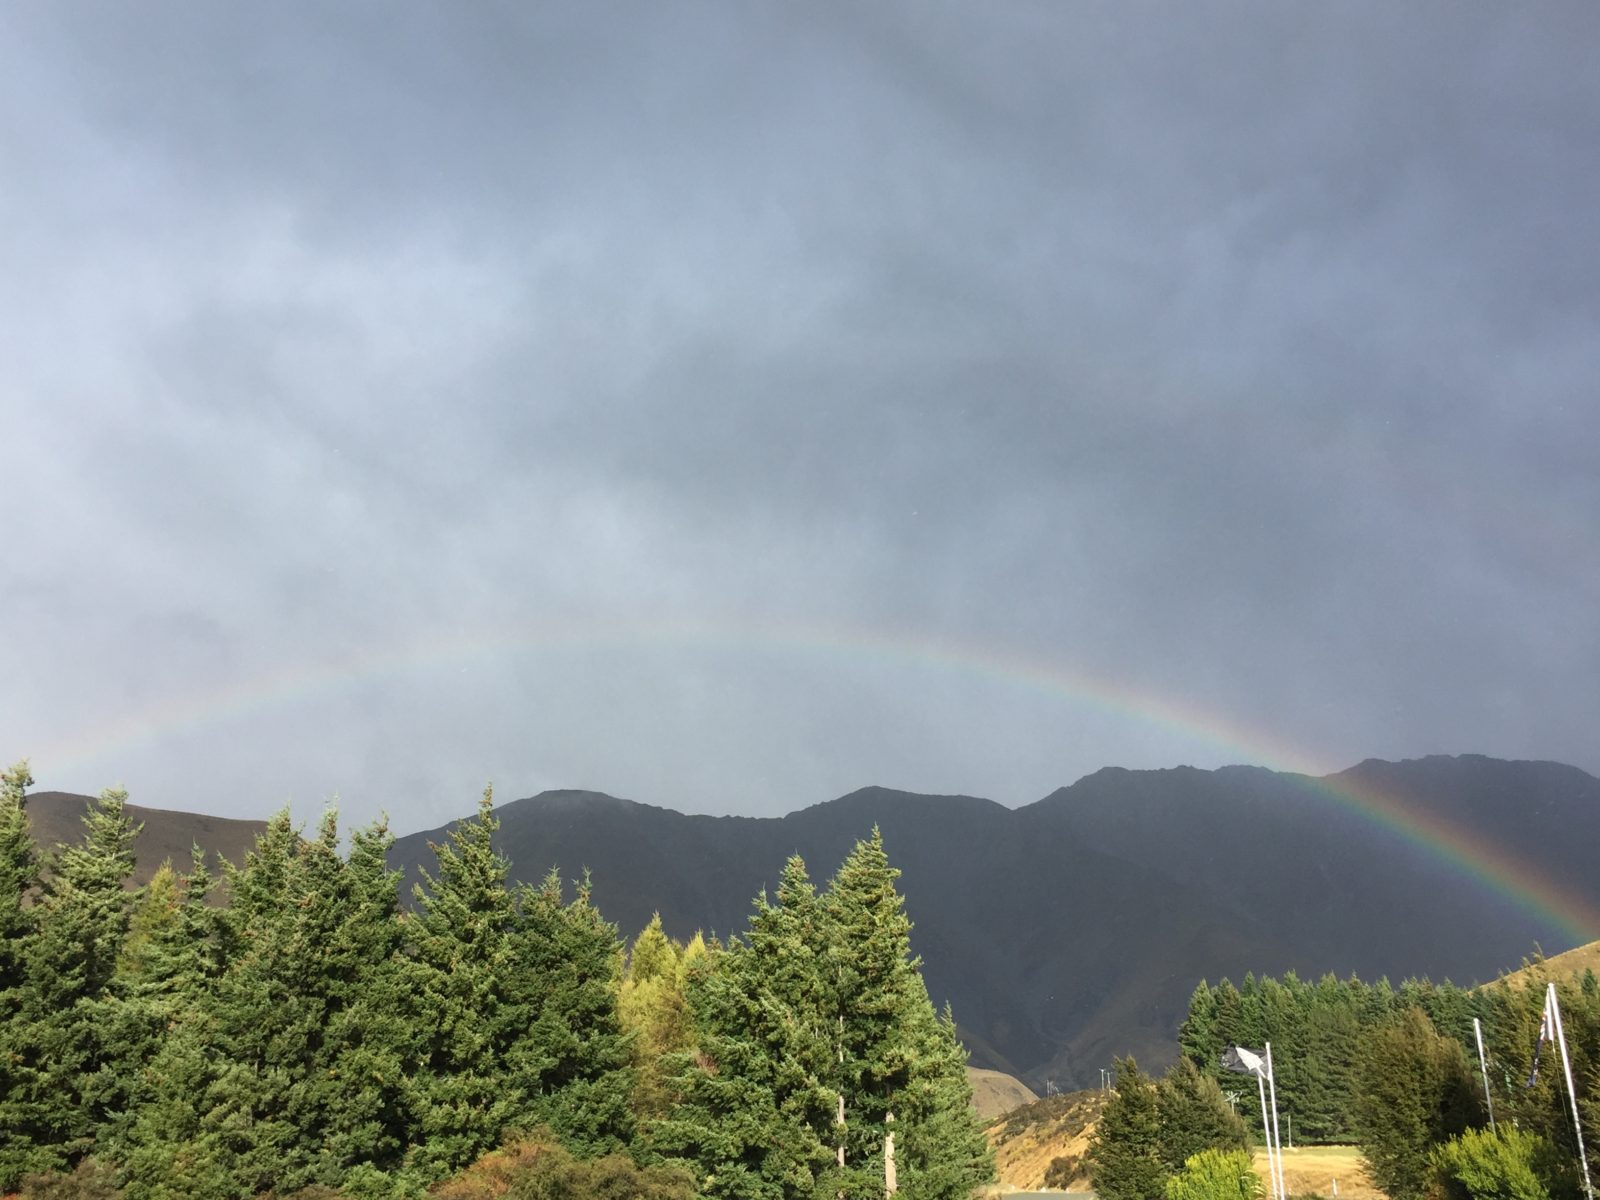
(1073, 929)
(995, 1093)
(56, 818)
(1570, 963)
(1042, 1144)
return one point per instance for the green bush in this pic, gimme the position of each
(1480, 1165)
(1215, 1175)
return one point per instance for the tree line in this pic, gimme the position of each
(1395, 1070)
(290, 1027)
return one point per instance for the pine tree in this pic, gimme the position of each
(896, 1056)
(166, 962)
(753, 1113)
(460, 954)
(19, 875)
(568, 1056)
(1198, 1039)
(290, 1068)
(517, 1002)
(1125, 1153)
(941, 1151)
(58, 1056)
(821, 1010)
(1195, 1116)
(1414, 1092)
(368, 1040)
(1328, 1052)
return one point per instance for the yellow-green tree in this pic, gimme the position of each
(655, 1012)
(1215, 1175)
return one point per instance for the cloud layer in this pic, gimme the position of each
(728, 406)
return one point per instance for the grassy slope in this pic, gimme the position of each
(1027, 1140)
(1561, 966)
(995, 1092)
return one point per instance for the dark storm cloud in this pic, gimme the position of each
(439, 365)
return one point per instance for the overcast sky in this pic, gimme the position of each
(729, 406)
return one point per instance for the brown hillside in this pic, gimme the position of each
(57, 818)
(1043, 1144)
(995, 1093)
(1561, 966)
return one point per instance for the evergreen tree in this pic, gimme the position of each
(1328, 1055)
(56, 1046)
(1198, 1039)
(754, 1116)
(461, 953)
(1195, 1116)
(517, 995)
(821, 1010)
(941, 1152)
(1414, 1092)
(1125, 1158)
(19, 875)
(895, 1055)
(568, 1056)
(289, 1070)
(166, 962)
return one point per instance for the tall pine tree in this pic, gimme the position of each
(59, 1085)
(896, 1056)
(754, 1112)
(19, 876)
(517, 1009)
(1125, 1157)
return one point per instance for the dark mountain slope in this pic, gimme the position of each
(1074, 928)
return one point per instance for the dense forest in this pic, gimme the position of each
(290, 1027)
(1393, 1069)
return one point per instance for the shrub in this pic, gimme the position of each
(1215, 1175)
(536, 1168)
(92, 1180)
(1480, 1165)
(1063, 1171)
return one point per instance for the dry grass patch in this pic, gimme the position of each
(1043, 1144)
(1312, 1170)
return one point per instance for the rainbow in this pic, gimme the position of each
(1515, 880)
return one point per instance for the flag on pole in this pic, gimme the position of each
(1544, 1035)
(1244, 1062)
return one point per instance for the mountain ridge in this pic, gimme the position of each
(1073, 928)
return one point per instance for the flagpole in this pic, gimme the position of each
(1483, 1065)
(1266, 1129)
(1272, 1087)
(1553, 1009)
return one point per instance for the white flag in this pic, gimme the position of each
(1244, 1062)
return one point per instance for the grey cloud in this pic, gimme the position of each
(1236, 355)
